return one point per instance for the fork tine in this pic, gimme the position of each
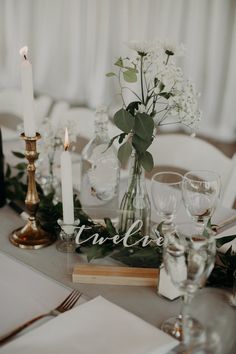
(67, 298)
(73, 302)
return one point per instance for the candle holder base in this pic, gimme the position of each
(31, 236)
(67, 236)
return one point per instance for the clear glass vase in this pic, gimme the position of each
(135, 204)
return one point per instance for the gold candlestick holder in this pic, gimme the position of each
(31, 236)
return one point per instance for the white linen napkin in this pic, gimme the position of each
(226, 246)
(96, 327)
(166, 287)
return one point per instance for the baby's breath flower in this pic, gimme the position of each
(162, 90)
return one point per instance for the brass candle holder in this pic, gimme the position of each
(32, 235)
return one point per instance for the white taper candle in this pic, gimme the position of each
(66, 184)
(27, 94)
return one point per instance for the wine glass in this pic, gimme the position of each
(201, 190)
(189, 259)
(166, 196)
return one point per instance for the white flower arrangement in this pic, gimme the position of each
(163, 96)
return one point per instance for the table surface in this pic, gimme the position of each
(142, 301)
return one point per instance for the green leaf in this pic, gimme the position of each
(124, 152)
(132, 107)
(110, 227)
(166, 95)
(8, 171)
(119, 62)
(143, 126)
(18, 154)
(221, 241)
(124, 120)
(110, 74)
(139, 144)
(121, 138)
(146, 160)
(112, 141)
(130, 76)
(21, 166)
(20, 174)
(161, 86)
(131, 69)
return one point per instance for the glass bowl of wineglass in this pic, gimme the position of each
(166, 197)
(201, 191)
(189, 258)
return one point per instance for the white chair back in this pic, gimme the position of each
(188, 153)
(11, 111)
(81, 116)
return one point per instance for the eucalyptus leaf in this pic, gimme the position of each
(139, 144)
(143, 126)
(146, 160)
(121, 138)
(134, 69)
(166, 95)
(97, 251)
(110, 227)
(18, 154)
(20, 174)
(110, 74)
(124, 120)
(124, 152)
(112, 141)
(133, 106)
(119, 62)
(21, 166)
(130, 76)
(8, 171)
(221, 241)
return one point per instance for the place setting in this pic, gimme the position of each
(96, 261)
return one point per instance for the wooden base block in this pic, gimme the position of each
(113, 275)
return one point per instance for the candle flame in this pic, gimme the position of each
(24, 52)
(66, 141)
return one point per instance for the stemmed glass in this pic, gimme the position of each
(201, 190)
(166, 196)
(189, 259)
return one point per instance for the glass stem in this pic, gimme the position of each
(184, 315)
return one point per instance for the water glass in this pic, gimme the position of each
(189, 259)
(166, 196)
(201, 190)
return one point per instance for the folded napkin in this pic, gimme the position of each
(226, 246)
(96, 327)
(166, 287)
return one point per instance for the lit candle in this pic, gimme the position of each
(66, 183)
(27, 94)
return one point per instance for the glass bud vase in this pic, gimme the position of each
(135, 204)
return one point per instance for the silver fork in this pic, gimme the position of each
(66, 305)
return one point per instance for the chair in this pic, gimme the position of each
(82, 116)
(188, 153)
(11, 111)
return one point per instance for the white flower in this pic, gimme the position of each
(184, 105)
(172, 48)
(141, 109)
(101, 109)
(170, 76)
(141, 47)
(164, 92)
